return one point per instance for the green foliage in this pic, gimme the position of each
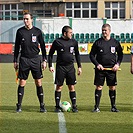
(32, 121)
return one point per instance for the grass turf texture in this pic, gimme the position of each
(32, 121)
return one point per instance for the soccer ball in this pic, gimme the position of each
(66, 106)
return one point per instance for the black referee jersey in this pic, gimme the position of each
(27, 42)
(106, 53)
(65, 50)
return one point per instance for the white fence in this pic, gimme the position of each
(54, 25)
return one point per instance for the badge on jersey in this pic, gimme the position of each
(33, 38)
(71, 49)
(112, 49)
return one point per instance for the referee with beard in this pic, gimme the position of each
(66, 47)
(28, 39)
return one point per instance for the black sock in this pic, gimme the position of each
(40, 94)
(112, 95)
(57, 98)
(98, 94)
(20, 94)
(73, 97)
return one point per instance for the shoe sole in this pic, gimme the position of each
(57, 111)
(43, 111)
(18, 111)
(115, 111)
(96, 111)
(75, 111)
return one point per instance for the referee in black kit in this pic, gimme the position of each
(28, 39)
(106, 52)
(65, 47)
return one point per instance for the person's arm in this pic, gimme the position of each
(16, 49)
(120, 54)
(50, 57)
(119, 59)
(42, 46)
(131, 69)
(77, 56)
(79, 71)
(43, 49)
(92, 55)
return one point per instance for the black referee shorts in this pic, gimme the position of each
(100, 77)
(65, 72)
(26, 65)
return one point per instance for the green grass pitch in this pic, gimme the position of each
(32, 121)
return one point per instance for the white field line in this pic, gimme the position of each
(62, 121)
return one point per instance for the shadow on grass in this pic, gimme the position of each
(25, 108)
(123, 107)
(106, 108)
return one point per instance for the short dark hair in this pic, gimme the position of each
(65, 29)
(28, 13)
(106, 25)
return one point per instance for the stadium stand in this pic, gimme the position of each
(46, 38)
(86, 38)
(97, 36)
(51, 38)
(122, 37)
(90, 37)
(81, 38)
(60, 35)
(127, 35)
(77, 36)
(56, 35)
(122, 40)
(117, 38)
(73, 35)
(128, 40)
(131, 37)
(112, 35)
